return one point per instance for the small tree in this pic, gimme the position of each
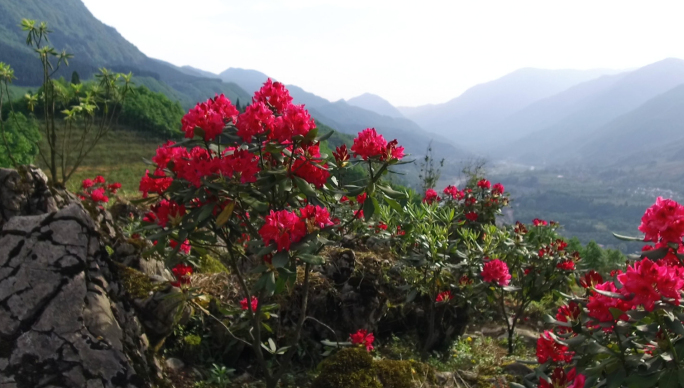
(75, 78)
(429, 174)
(74, 118)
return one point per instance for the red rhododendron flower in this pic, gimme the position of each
(471, 216)
(399, 231)
(315, 216)
(453, 192)
(156, 185)
(538, 222)
(165, 211)
(361, 198)
(168, 153)
(185, 246)
(549, 349)
(294, 121)
(559, 379)
(568, 313)
(182, 273)
(306, 166)
(87, 183)
(256, 120)
(444, 296)
(465, 280)
(344, 199)
(363, 337)
(211, 116)
(99, 179)
(254, 303)
(646, 282)
(358, 214)
(238, 163)
(496, 271)
(341, 155)
(664, 220)
(566, 265)
(498, 188)
(98, 195)
(599, 305)
(274, 94)
(591, 279)
(369, 144)
(484, 184)
(282, 227)
(431, 196)
(114, 187)
(382, 225)
(393, 151)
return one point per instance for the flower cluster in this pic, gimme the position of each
(496, 271)
(211, 116)
(364, 338)
(663, 222)
(252, 304)
(431, 197)
(369, 144)
(183, 273)
(97, 190)
(285, 227)
(444, 296)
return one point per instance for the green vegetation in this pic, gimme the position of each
(152, 112)
(21, 136)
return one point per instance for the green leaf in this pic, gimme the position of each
(627, 238)
(305, 187)
(311, 259)
(270, 283)
(669, 378)
(280, 259)
(394, 205)
(369, 208)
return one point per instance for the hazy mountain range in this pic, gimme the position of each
(594, 117)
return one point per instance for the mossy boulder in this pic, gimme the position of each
(354, 367)
(351, 367)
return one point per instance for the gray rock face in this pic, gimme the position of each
(62, 322)
(24, 192)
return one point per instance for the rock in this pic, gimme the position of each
(517, 369)
(341, 266)
(63, 321)
(24, 192)
(174, 364)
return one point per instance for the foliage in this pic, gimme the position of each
(151, 112)
(626, 331)
(20, 136)
(253, 187)
(74, 118)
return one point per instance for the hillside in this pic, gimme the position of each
(560, 142)
(94, 45)
(375, 104)
(653, 132)
(473, 118)
(249, 80)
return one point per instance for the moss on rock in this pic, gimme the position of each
(137, 284)
(354, 367)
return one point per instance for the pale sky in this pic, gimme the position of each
(409, 52)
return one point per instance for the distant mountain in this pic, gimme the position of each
(473, 118)
(653, 132)
(94, 45)
(608, 99)
(249, 80)
(375, 104)
(198, 72)
(351, 119)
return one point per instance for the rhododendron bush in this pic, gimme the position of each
(254, 189)
(626, 330)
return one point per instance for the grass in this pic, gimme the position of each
(119, 157)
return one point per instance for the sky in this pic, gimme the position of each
(409, 52)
